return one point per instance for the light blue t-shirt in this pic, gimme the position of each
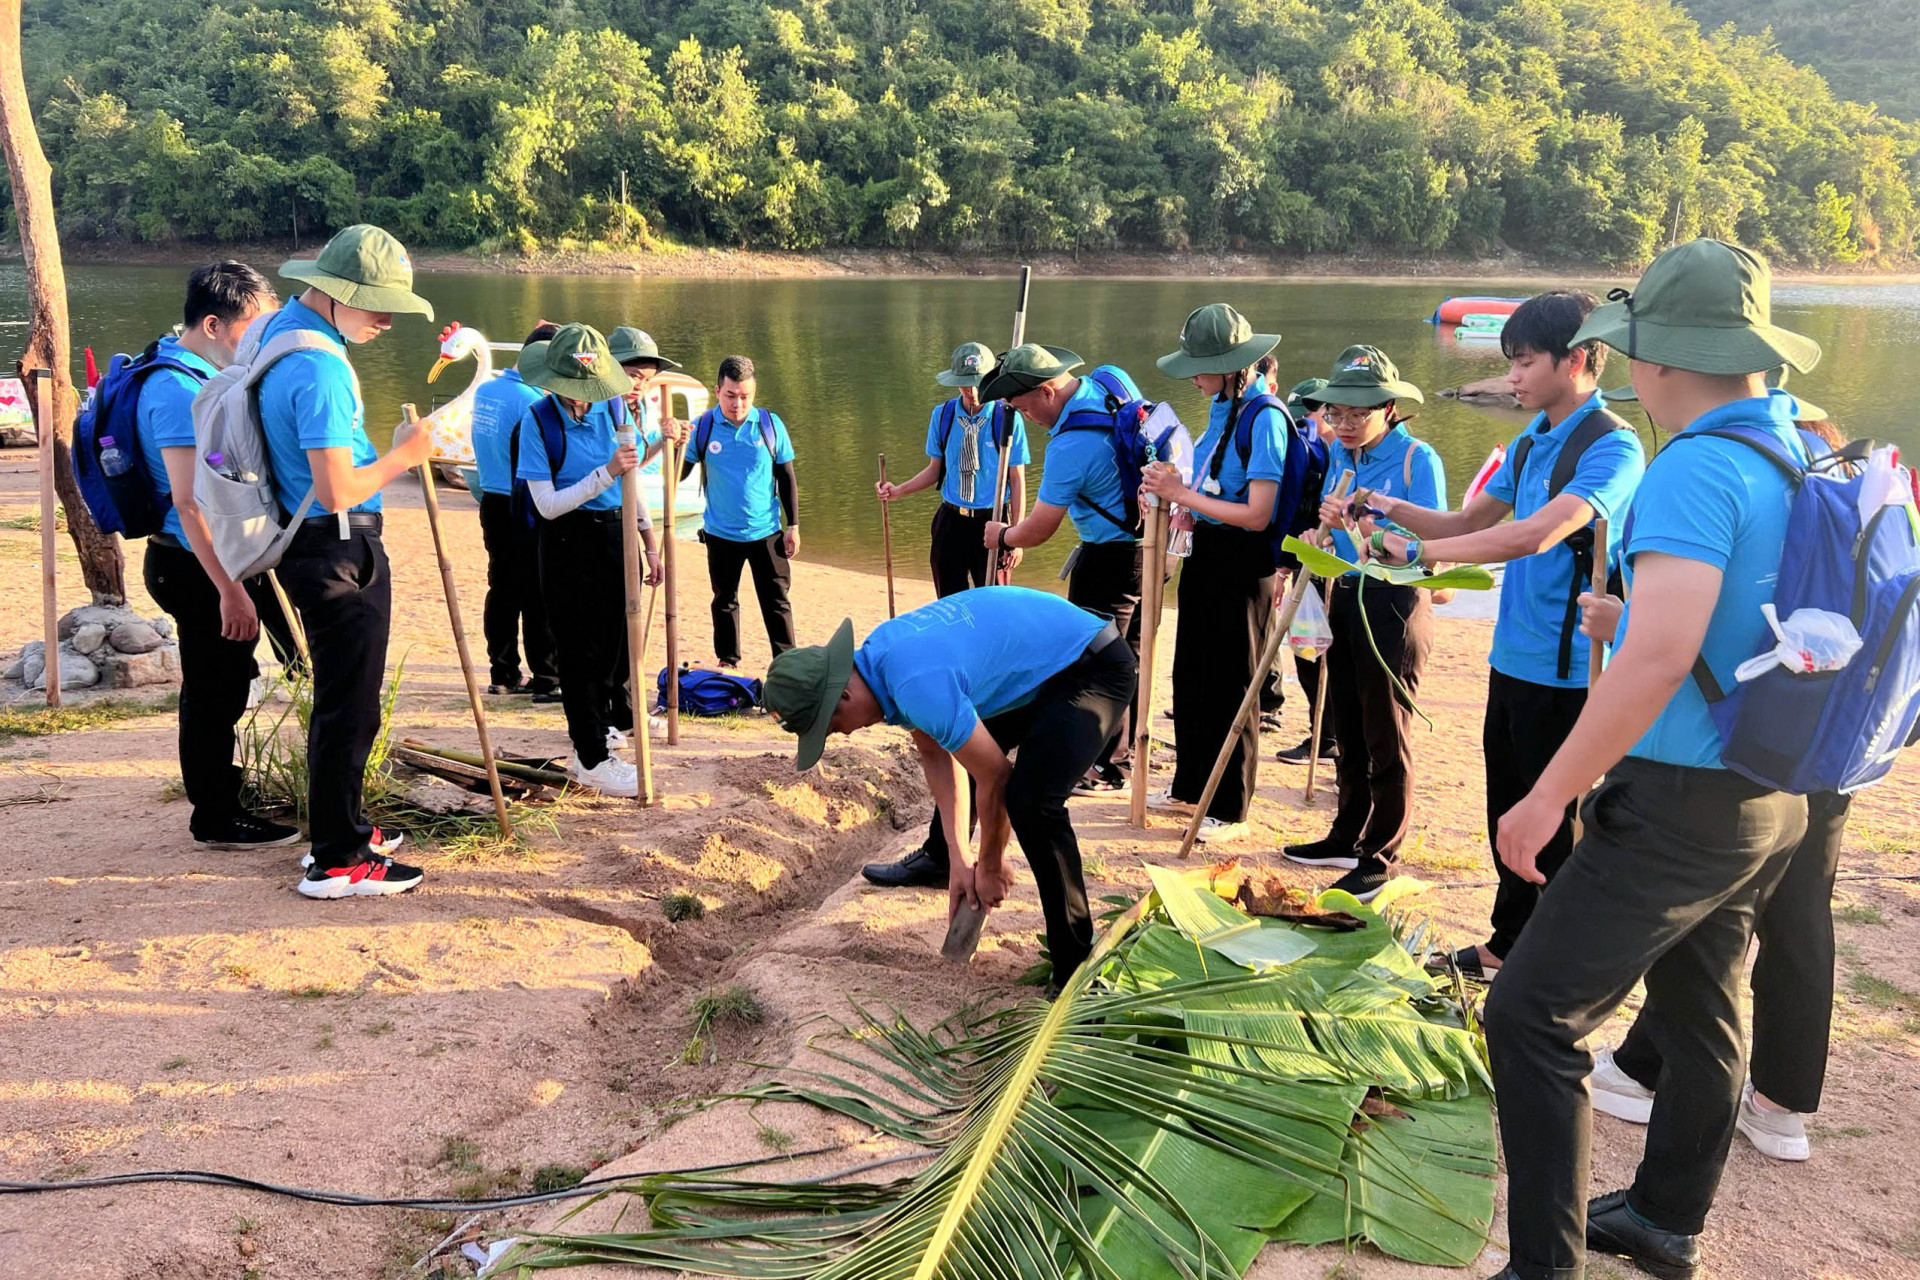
(165, 418)
(1081, 473)
(742, 503)
(310, 401)
(590, 443)
(1720, 503)
(497, 409)
(946, 666)
(1386, 468)
(987, 479)
(1266, 460)
(1534, 593)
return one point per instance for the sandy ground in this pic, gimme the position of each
(162, 1007)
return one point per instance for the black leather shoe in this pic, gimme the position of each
(1613, 1228)
(917, 870)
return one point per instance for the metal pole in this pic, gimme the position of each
(1002, 574)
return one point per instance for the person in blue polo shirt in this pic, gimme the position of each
(1574, 463)
(963, 443)
(335, 568)
(1676, 852)
(1081, 482)
(218, 620)
(976, 676)
(514, 612)
(746, 458)
(1370, 697)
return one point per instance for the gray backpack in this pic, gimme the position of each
(237, 495)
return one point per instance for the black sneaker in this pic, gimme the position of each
(918, 870)
(1101, 782)
(244, 831)
(1364, 885)
(544, 697)
(375, 877)
(1323, 853)
(1298, 754)
(1270, 723)
(505, 688)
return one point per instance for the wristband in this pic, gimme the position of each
(1413, 551)
(1003, 537)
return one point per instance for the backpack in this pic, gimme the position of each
(1141, 432)
(1838, 730)
(1594, 426)
(1296, 506)
(250, 531)
(126, 504)
(703, 435)
(710, 693)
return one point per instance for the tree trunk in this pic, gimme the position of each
(49, 344)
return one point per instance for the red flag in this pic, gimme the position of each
(93, 371)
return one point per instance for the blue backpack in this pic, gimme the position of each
(1141, 432)
(703, 436)
(553, 433)
(125, 504)
(709, 693)
(1296, 507)
(1835, 730)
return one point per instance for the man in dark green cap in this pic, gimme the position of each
(335, 568)
(1082, 481)
(978, 676)
(1676, 850)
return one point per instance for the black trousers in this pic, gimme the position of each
(214, 677)
(1792, 973)
(583, 579)
(1106, 580)
(1525, 725)
(514, 605)
(343, 589)
(1374, 773)
(1054, 740)
(772, 575)
(1664, 884)
(1226, 605)
(959, 559)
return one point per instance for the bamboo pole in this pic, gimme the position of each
(1250, 704)
(1318, 719)
(1002, 572)
(294, 626)
(1153, 557)
(1596, 650)
(409, 415)
(636, 624)
(49, 535)
(886, 536)
(670, 465)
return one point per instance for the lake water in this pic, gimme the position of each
(849, 363)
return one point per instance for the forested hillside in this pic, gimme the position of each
(1582, 129)
(1869, 50)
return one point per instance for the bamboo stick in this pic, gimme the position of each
(670, 474)
(1002, 572)
(886, 537)
(1596, 650)
(636, 625)
(506, 768)
(1153, 558)
(49, 535)
(1318, 719)
(294, 626)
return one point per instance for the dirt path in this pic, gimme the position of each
(527, 1014)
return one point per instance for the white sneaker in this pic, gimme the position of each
(1617, 1094)
(1212, 829)
(611, 777)
(1778, 1135)
(616, 741)
(1163, 802)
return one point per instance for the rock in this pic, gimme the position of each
(135, 637)
(18, 671)
(88, 638)
(91, 613)
(1488, 393)
(33, 660)
(131, 670)
(164, 625)
(76, 672)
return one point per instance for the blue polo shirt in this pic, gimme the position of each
(1387, 468)
(164, 418)
(310, 400)
(497, 409)
(1081, 473)
(742, 503)
(1720, 503)
(988, 477)
(1266, 460)
(946, 666)
(589, 442)
(1533, 595)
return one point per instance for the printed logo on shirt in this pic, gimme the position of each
(713, 446)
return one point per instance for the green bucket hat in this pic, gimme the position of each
(972, 362)
(802, 688)
(1364, 378)
(628, 345)
(1025, 367)
(574, 363)
(1705, 307)
(1306, 395)
(363, 267)
(1216, 339)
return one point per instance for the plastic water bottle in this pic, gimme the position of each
(218, 461)
(114, 460)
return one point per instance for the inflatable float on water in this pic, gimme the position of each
(1456, 310)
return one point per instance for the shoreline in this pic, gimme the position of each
(690, 263)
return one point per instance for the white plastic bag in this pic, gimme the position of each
(1310, 634)
(1810, 640)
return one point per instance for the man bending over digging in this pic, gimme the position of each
(976, 676)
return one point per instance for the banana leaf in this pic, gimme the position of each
(1461, 577)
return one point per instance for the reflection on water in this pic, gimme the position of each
(849, 363)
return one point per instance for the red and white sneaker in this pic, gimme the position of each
(378, 846)
(378, 875)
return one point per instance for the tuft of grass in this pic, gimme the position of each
(682, 904)
(460, 1154)
(174, 1064)
(42, 722)
(1859, 913)
(735, 1004)
(1876, 991)
(557, 1177)
(325, 1041)
(774, 1139)
(313, 991)
(30, 522)
(171, 790)
(381, 1028)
